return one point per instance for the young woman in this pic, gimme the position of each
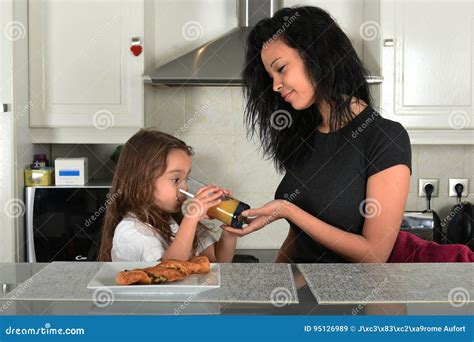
(347, 169)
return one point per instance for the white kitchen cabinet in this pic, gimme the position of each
(85, 83)
(427, 62)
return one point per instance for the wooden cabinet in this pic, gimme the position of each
(84, 79)
(427, 60)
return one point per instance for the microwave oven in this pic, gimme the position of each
(64, 223)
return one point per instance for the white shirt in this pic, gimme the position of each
(136, 241)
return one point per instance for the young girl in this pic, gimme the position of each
(144, 222)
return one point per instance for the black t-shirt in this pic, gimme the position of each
(330, 182)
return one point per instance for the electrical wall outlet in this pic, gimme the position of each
(422, 182)
(452, 185)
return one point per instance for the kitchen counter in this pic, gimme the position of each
(24, 295)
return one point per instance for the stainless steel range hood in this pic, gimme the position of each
(219, 62)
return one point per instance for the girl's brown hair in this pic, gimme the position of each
(142, 160)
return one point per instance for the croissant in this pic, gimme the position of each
(166, 271)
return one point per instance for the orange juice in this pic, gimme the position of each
(229, 212)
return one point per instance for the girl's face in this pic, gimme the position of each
(167, 185)
(287, 69)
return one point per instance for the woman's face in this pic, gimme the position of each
(167, 185)
(287, 69)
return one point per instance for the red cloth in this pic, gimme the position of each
(411, 248)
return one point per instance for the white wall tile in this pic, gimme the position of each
(411, 204)
(169, 115)
(238, 107)
(208, 110)
(269, 237)
(469, 169)
(212, 162)
(251, 173)
(441, 161)
(414, 169)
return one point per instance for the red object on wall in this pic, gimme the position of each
(136, 49)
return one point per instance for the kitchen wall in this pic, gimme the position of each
(211, 118)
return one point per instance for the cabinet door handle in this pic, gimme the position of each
(388, 42)
(4, 107)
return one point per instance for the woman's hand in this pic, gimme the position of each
(260, 217)
(205, 198)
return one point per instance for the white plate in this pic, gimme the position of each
(192, 284)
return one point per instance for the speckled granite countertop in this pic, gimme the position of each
(244, 283)
(331, 289)
(390, 283)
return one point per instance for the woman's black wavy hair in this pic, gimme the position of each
(332, 65)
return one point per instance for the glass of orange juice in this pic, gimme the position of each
(228, 211)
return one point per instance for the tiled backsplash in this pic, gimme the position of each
(443, 162)
(210, 119)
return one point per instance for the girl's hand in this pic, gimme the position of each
(260, 217)
(224, 191)
(205, 198)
